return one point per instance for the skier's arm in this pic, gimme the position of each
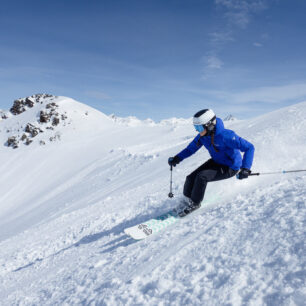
(236, 142)
(193, 147)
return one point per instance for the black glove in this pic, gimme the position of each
(243, 173)
(173, 161)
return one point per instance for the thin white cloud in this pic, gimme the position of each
(213, 62)
(272, 94)
(100, 95)
(257, 44)
(240, 18)
(217, 38)
(295, 92)
(237, 14)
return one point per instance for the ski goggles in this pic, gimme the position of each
(199, 128)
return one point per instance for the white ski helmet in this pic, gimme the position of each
(205, 118)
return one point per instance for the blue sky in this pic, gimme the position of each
(156, 58)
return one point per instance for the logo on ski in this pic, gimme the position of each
(145, 229)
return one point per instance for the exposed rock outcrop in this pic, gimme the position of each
(12, 142)
(49, 117)
(21, 105)
(33, 130)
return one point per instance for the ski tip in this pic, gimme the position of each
(137, 235)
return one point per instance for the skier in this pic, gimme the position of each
(224, 147)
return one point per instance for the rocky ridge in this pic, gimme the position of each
(48, 117)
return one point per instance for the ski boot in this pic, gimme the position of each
(183, 203)
(190, 207)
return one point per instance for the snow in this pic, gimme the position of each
(64, 207)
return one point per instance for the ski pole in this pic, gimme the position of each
(170, 195)
(283, 172)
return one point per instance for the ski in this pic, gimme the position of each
(152, 226)
(159, 223)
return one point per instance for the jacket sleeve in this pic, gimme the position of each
(193, 147)
(236, 142)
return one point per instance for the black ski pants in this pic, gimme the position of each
(210, 171)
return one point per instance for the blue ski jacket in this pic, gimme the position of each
(228, 144)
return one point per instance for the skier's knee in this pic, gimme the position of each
(202, 178)
(189, 180)
(189, 177)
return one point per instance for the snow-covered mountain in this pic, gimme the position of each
(131, 120)
(44, 118)
(134, 121)
(230, 118)
(64, 206)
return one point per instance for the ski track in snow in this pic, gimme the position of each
(247, 248)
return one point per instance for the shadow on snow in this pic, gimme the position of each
(122, 241)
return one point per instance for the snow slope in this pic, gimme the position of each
(63, 208)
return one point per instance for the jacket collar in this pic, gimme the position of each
(219, 126)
